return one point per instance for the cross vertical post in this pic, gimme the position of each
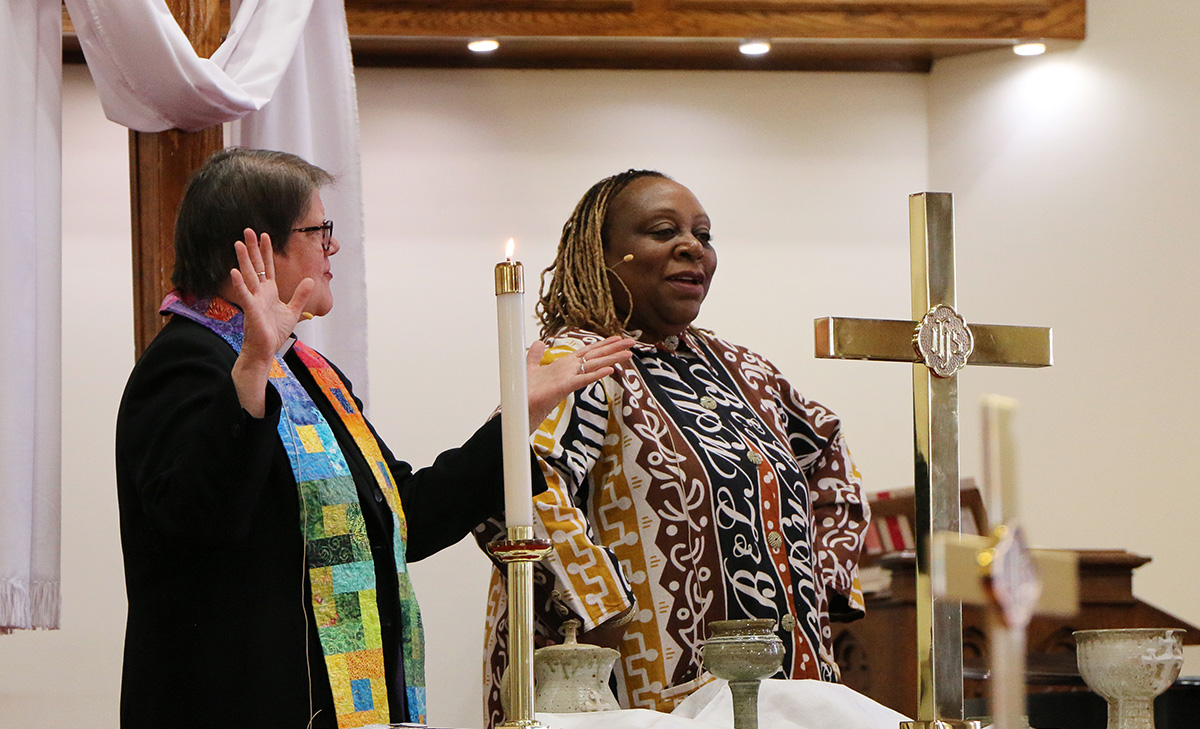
(159, 166)
(935, 445)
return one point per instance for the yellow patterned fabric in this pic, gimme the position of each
(694, 484)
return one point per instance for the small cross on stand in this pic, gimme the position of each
(939, 343)
(1002, 573)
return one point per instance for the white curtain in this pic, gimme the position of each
(314, 113)
(30, 311)
(285, 71)
(294, 53)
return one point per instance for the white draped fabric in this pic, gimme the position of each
(314, 114)
(30, 301)
(285, 71)
(284, 62)
(782, 704)
(150, 78)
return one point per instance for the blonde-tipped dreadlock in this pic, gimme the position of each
(578, 294)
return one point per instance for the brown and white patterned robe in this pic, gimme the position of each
(690, 486)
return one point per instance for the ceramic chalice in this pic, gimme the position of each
(1129, 668)
(743, 652)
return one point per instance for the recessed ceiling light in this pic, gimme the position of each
(754, 48)
(485, 45)
(1029, 49)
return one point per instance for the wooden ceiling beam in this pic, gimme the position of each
(692, 19)
(868, 35)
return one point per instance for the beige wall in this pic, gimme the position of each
(806, 178)
(1076, 182)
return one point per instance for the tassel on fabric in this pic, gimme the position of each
(14, 605)
(47, 604)
(22, 608)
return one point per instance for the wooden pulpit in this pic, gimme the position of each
(877, 655)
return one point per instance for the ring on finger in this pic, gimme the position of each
(582, 365)
(262, 275)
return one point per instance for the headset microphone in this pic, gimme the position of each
(613, 270)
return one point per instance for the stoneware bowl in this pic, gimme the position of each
(1129, 668)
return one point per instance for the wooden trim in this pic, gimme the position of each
(821, 35)
(864, 6)
(570, 6)
(649, 54)
(873, 35)
(907, 20)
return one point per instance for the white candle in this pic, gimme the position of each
(514, 397)
(1000, 460)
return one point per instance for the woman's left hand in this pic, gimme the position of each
(549, 384)
(267, 321)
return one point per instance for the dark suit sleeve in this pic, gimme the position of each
(446, 500)
(196, 462)
(464, 486)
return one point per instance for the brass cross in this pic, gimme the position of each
(939, 342)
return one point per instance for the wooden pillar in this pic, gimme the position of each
(159, 165)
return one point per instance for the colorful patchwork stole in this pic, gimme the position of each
(340, 568)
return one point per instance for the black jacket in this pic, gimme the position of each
(220, 629)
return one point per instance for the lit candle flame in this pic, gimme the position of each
(508, 249)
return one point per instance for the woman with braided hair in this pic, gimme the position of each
(693, 484)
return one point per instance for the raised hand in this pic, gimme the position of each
(550, 383)
(268, 320)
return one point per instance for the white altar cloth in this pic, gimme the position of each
(782, 704)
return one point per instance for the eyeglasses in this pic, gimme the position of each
(326, 229)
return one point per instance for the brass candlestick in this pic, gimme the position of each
(518, 553)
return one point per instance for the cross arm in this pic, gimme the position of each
(1011, 346)
(891, 340)
(879, 340)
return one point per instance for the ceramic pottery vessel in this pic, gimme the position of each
(743, 652)
(573, 677)
(1129, 668)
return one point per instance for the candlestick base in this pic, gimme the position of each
(518, 553)
(519, 550)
